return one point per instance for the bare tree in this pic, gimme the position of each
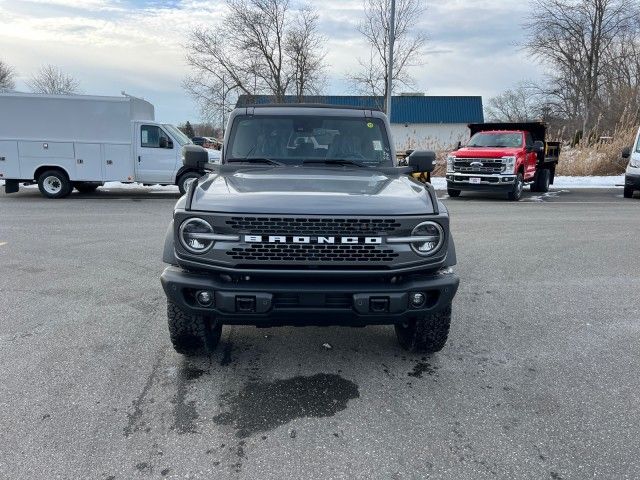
(7, 77)
(577, 40)
(519, 104)
(372, 77)
(304, 50)
(53, 81)
(265, 48)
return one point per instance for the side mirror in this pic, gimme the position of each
(626, 152)
(163, 143)
(195, 157)
(538, 146)
(422, 161)
(459, 145)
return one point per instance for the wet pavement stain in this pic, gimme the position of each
(421, 368)
(263, 406)
(184, 412)
(134, 419)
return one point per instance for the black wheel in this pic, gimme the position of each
(516, 194)
(628, 192)
(185, 179)
(427, 334)
(192, 335)
(86, 187)
(453, 193)
(533, 186)
(54, 184)
(542, 181)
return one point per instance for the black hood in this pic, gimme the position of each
(311, 190)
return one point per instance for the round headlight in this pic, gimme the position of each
(431, 238)
(194, 233)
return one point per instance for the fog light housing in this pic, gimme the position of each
(204, 298)
(417, 299)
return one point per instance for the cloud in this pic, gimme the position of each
(138, 45)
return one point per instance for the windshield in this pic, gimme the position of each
(293, 140)
(180, 137)
(484, 139)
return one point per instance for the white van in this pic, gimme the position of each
(632, 175)
(81, 141)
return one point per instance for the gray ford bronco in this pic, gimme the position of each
(309, 220)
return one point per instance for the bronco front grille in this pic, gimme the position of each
(489, 165)
(312, 253)
(313, 226)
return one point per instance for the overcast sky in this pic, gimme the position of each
(137, 45)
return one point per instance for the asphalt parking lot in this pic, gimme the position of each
(539, 378)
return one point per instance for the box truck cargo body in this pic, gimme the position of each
(85, 141)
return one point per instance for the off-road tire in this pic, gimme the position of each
(182, 181)
(427, 334)
(518, 187)
(54, 184)
(192, 335)
(542, 180)
(628, 192)
(86, 187)
(453, 192)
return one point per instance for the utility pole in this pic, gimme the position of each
(392, 39)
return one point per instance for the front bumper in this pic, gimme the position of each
(309, 302)
(491, 182)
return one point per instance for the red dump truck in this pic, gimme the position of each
(503, 157)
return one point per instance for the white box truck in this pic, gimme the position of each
(63, 142)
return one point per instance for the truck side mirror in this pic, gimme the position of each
(422, 161)
(459, 145)
(163, 143)
(195, 157)
(538, 146)
(626, 152)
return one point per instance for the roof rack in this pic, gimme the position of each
(310, 105)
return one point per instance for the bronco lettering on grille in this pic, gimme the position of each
(309, 239)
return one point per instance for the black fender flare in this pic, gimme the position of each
(451, 260)
(169, 253)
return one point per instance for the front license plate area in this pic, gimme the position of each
(474, 180)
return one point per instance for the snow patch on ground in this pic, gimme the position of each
(559, 183)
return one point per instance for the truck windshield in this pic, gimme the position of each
(180, 137)
(494, 139)
(293, 140)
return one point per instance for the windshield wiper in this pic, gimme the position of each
(254, 160)
(335, 161)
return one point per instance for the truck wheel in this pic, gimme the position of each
(185, 179)
(86, 187)
(542, 183)
(54, 184)
(427, 334)
(192, 335)
(516, 194)
(628, 192)
(453, 193)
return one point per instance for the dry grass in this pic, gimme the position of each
(599, 158)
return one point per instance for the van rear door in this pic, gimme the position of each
(155, 154)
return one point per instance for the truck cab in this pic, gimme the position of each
(503, 158)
